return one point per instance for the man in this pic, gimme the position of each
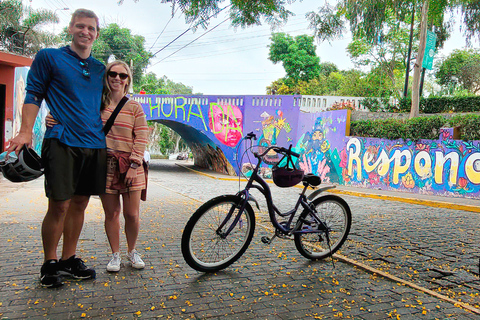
(73, 152)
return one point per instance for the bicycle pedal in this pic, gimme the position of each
(266, 240)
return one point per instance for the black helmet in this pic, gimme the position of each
(286, 177)
(285, 174)
(28, 166)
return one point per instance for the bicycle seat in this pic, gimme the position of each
(312, 179)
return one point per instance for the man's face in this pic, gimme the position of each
(84, 32)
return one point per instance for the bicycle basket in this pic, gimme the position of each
(286, 176)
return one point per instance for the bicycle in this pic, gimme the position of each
(220, 230)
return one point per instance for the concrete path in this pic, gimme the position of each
(420, 260)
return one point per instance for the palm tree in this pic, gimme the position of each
(19, 28)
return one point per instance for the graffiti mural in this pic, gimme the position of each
(226, 123)
(443, 167)
(213, 127)
(19, 97)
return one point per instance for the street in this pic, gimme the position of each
(434, 248)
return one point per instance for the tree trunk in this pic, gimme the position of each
(417, 69)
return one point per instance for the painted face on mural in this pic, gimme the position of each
(226, 123)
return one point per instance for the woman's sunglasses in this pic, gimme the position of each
(114, 74)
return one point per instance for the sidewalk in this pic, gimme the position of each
(455, 203)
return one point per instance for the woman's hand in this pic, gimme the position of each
(50, 121)
(130, 176)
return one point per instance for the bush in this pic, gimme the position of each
(443, 104)
(393, 129)
(379, 105)
(468, 124)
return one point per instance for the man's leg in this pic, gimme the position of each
(52, 228)
(70, 265)
(73, 225)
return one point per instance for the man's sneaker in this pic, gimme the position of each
(114, 264)
(135, 259)
(75, 268)
(49, 276)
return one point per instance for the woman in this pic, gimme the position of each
(126, 142)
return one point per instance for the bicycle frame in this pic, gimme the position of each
(272, 209)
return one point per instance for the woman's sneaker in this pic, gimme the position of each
(114, 264)
(49, 276)
(75, 268)
(135, 259)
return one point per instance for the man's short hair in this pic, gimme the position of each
(84, 13)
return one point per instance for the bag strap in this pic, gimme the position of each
(108, 125)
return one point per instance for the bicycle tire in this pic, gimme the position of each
(314, 246)
(201, 228)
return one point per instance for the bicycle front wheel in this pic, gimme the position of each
(335, 213)
(207, 249)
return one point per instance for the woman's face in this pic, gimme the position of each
(115, 81)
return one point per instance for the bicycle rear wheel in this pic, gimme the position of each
(335, 214)
(203, 248)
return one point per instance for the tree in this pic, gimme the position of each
(367, 19)
(461, 67)
(20, 28)
(242, 12)
(153, 85)
(297, 55)
(117, 41)
(388, 56)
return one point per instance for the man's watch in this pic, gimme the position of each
(134, 165)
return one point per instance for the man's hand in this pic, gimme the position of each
(17, 143)
(24, 137)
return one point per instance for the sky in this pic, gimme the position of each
(219, 60)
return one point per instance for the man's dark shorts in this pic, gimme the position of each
(73, 171)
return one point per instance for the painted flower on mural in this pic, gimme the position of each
(407, 181)
(462, 186)
(446, 135)
(373, 178)
(422, 147)
(226, 123)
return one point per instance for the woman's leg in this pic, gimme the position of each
(131, 212)
(111, 206)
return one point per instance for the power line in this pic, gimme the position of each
(204, 20)
(163, 29)
(191, 42)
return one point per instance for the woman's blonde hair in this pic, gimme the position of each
(107, 91)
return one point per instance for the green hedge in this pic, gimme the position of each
(417, 128)
(392, 129)
(440, 105)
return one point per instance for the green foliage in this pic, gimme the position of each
(444, 104)
(461, 67)
(424, 128)
(297, 56)
(124, 46)
(20, 28)
(243, 13)
(393, 129)
(153, 85)
(379, 105)
(468, 124)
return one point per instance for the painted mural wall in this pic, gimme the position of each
(18, 98)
